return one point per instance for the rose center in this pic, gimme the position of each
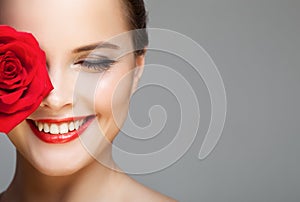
(9, 68)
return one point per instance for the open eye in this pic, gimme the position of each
(95, 65)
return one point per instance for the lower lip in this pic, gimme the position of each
(59, 138)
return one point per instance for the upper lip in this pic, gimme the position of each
(61, 120)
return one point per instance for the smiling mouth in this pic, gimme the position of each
(60, 131)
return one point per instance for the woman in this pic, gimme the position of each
(70, 33)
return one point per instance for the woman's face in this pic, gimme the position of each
(91, 85)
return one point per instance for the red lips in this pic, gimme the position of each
(60, 131)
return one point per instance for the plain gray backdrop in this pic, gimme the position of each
(256, 47)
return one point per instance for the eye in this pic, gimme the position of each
(95, 65)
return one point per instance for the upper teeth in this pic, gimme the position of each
(59, 129)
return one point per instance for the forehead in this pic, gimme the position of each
(58, 21)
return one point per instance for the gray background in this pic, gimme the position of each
(256, 47)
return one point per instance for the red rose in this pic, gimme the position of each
(24, 80)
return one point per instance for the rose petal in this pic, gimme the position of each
(24, 80)
(7, 123)
(10, 66)
(10, 98)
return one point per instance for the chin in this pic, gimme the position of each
(59, 167)
(59, 159)
(49, 159)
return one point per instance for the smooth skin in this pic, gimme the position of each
(69, 172)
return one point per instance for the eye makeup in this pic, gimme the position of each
(94, 63)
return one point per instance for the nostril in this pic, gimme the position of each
(57, 100)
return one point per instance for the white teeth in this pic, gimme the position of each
(76, 125)
(59, 129)
(71, 126)
(46, 128)
(63, 128)
(54, 129)
(40, 126)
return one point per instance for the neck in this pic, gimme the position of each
(31, 185)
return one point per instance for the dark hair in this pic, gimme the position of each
(137, 18)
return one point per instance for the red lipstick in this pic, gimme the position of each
(46, 136)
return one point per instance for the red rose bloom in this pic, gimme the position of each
(24, 80)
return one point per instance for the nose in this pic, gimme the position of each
(61, 96)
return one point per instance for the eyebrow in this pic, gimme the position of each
(96, 46)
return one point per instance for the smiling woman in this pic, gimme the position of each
(52, 162)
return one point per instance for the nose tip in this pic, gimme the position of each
(57, 100)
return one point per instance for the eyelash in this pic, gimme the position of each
(96, 65)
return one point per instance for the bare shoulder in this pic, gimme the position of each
(137, 192)
(145, 194)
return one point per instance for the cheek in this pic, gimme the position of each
(112, 98)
